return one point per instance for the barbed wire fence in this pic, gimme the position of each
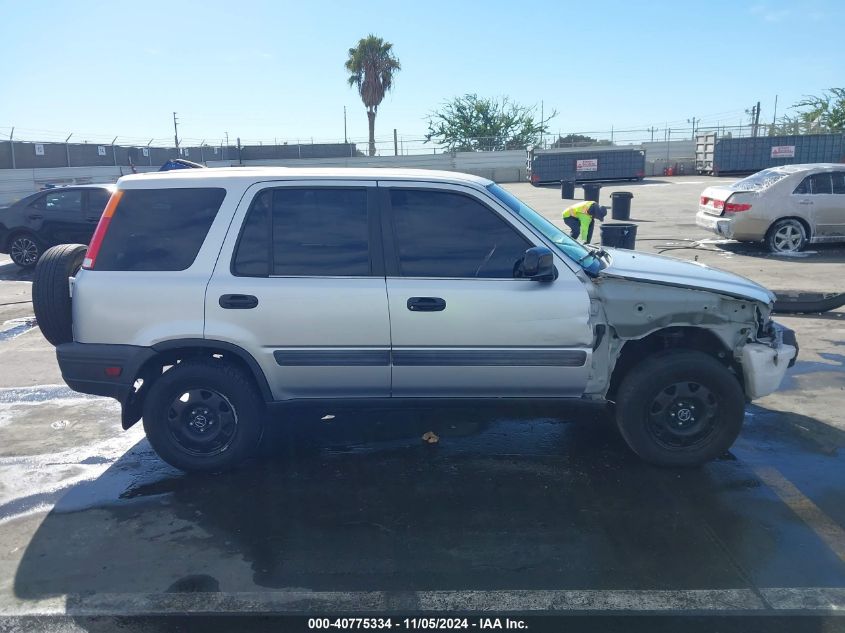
(59, 149)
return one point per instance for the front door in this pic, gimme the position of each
(301, 287)
(461, 324)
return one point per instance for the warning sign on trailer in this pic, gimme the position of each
(783, 151)
(588, 164)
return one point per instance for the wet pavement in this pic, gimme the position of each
(537, 510)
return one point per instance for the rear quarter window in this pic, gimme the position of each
(159, 229)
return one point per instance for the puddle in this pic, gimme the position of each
(15, 327)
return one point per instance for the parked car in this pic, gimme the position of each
(58, 215)
(209, 298)
(785, 207)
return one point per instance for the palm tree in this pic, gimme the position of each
(371, 66)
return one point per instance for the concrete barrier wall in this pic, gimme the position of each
(18, 183)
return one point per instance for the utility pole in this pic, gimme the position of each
(176, 134)
(67, 148)
(226, 149)
(693, 121)
(12, 145)
(775, 115)
(755, 118)
(652, 130)
(395, 143)
(345, 138)
(542, 125)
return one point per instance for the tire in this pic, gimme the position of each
(183, 432)
(786, 236)
(25, 249)
(685, 388)
(51, 294)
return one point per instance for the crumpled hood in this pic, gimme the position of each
(677, 272)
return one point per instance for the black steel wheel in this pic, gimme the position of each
(204, 415)
(25, 249)
(680, 408)
(202, 421)
(683, 414)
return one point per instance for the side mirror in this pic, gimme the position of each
(537, 264)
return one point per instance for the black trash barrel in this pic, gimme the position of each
(621, 205)
(567, 189)
(619, 235)
(591, 191)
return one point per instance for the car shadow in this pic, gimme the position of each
(10, 271)
(507, 501)
(813, 254)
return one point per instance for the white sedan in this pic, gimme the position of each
(784, 207)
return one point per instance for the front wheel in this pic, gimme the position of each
(25, 250)
(680, 408)
(203, 415)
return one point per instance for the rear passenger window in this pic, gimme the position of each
(445, 234)
(838, 182)
(252, 256)
(317, 232)
(820, 184)
(320, 232)
(804, 188)
(159, 229)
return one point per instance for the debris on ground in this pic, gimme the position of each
(430, 437)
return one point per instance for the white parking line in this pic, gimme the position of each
(830, 601)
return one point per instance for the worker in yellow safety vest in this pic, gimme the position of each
(581, 217)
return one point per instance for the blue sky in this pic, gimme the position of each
(265, 70)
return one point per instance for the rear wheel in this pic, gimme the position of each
(51, 300)
(786, 236)
(25, 249)
(203, 416)
(680, 408)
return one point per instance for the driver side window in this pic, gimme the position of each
(453, 235)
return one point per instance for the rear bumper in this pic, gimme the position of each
(84, 366)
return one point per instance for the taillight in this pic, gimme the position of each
(734, 207)
(535, 177)
(100, 232)
(718, 204)
(704, 200)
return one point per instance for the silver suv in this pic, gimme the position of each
(210, 299)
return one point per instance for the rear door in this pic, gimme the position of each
(461, 324)
(300, 285)
(56, 217)
(830, 214)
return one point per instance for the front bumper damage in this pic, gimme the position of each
(764, 364)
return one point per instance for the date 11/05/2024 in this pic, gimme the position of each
(417, 623)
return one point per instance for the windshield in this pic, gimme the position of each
(585, 257)
(759, 181)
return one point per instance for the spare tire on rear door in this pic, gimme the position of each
(51, 291)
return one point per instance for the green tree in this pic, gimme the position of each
(472, 123)
(822, 113)
(372, 66)
(579, 140)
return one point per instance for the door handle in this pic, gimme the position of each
(238, 302)
(34, 216)
(426, 304)
(805, 202)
